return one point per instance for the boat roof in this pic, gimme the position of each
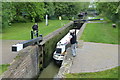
(66, 38)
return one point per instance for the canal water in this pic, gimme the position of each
(50, 71)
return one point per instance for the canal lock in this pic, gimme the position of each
(52, 69)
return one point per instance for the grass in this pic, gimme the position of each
(100, 33)
(111, 73)
(3, 68)
(21, 31)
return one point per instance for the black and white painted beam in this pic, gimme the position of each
(22, 45)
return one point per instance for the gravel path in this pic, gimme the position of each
(93, 57)
(6, 55)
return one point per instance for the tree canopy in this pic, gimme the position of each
(35, 11)
(110, 9)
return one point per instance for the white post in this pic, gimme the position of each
(60, 18)
(46, 20)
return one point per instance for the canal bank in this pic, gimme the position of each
(51, 71)
(68, 59)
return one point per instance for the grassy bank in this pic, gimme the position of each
(111, 73)
(21, 31)
(100, 33)
(3, 68)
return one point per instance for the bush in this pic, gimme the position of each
(64, 17)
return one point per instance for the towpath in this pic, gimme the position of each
(6, 54)
(93, 57)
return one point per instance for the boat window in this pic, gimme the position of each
(58, 50)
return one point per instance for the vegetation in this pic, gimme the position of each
(3, 68)
(21, 31)
(68, 10)
(104, 32)
(110, 73)
(13, 12)
(100, 33)
(109, 9)
(21, 12)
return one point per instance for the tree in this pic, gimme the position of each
(36, 11)
(20, 12)
(33, 10)
(69, 9)
(8, 12)
(49, 9)
(109, 9)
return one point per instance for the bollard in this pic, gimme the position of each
(114, 25)
(40, 35)
(31, 34)
(37, 33)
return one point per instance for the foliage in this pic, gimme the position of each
(110, 10)
(34, 11)
(68, 9)
(110, 73)
(49, 9)
(100, 33)
(8, 12)
(22, 11)
(37, 12)
(13, 12)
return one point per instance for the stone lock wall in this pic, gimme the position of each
(68, 58)
(25, 65)
(50, 41)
